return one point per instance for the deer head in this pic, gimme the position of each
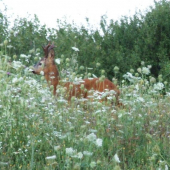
(48, 67)
(46, 61)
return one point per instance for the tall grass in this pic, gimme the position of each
(39, 131)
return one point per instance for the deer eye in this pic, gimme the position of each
(40, 64)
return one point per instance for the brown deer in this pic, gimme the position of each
(51, 74)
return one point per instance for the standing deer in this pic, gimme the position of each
(51, 74)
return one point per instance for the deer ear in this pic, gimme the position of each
(51, 54)
(45, 49)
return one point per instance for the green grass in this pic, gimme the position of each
(39, 131)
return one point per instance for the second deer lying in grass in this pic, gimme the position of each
(48, 66)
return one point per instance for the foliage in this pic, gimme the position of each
(157, 37)
(3, 26)
(39, 131)
(28, 34)
(124, 43)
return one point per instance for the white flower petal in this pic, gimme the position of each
(51, 157)
(57, 61)
(99, 142)
(116, 158)
(75, 49)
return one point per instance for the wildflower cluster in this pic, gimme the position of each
(85, 133)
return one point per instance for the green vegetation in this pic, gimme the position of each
(40, 131)
(124, 43)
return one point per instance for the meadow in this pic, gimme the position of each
(40, 131)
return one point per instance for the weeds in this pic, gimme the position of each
(40, 132)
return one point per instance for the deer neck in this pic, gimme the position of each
(51, 74)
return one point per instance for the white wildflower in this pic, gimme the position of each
(57, 61)
(154, 122)
(91, 137)
(52, 77)
(166, 167)
(93, 164)
(142, 63)
(23, 56)
(140, 99)
(51, 157)
(116, 158)
(56, 148)
(28, 70)
(70, 151)
(62, 137)
(145, 70)
(112, 92)
(16, 153)
(162, 165)
(137, 87)
(158, 86)
(152, 80)
(17, 64)
(31, 82)
(15, 79)
(168, 94)
(9, 46)
(139, 70)
(130, 77)
(149, 66)
(75, 49)
(87, 122)
(87, 153)
(94, 75)
(76, 83)
(104, 95)
(42, 73)
(99, 142)
(79, 155)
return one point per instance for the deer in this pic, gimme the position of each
(48, 66)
